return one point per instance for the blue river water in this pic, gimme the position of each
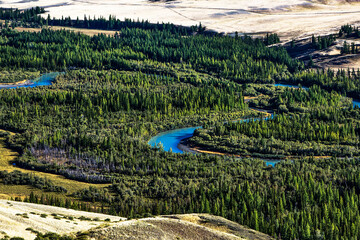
(289, 85)
(356, 103)
(44, 80)
(170, 140)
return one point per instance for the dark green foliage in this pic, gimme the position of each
(349, 31)
(27, 15)
(293, 200)
(14, 76)
(300, 100)
(31, 16)
(271, 39)
(323, 42)
(62, 201)
(18, 178)
(52, 236)
(93, 194)
(322, 120)
(285, 135)
(101, 114)
(346, 82)
(349, 48)
(238, 59)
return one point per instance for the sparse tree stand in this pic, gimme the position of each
(271, 39)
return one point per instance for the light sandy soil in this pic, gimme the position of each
(15, 225)
(332, 57)
(327, 58)
(289, 18)
(160, 228)
(186, 226)
(16, 84)
(173, 227)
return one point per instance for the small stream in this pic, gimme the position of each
(44, 80)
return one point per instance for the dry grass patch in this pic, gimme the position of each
(222, 225)
(174, 227)
(195, 218)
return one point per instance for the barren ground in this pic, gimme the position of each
(327, 58)
(16, 217)
(13, 220)
(289, 18)
(187, 226)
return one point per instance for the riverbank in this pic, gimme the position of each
(16, 84)
(179, 137)
(175, 140)
(45, 79)
(184, 146)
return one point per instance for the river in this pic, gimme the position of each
(171, 139)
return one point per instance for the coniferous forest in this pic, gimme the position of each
(114, 93)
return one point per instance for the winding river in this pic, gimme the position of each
(170, 140)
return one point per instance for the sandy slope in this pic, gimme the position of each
(186, 226)
(173, 227)
(289, 18)
(15, 225)
(160, 228)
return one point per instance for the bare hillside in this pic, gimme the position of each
(289, 18)
(16, 217)
(186, 227)
(21, 219)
